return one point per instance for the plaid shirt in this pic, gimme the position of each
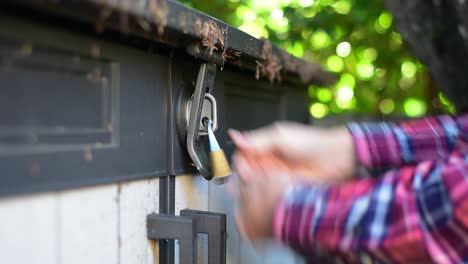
(414, 213)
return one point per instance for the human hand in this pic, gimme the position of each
(315, 154)
(257, 197)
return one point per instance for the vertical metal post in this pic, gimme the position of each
(167, 184)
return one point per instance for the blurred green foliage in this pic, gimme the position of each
(354, 38)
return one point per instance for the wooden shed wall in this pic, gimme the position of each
(107, 225)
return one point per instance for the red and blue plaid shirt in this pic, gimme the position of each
(414, 212)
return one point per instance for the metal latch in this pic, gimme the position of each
(185, 229)
(201, 114)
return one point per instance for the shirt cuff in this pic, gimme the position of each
(375, 145)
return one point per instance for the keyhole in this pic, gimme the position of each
(205, 121)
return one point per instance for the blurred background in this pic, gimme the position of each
(378, 75)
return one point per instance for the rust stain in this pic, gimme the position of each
(99, 27)
(269, 66)
(34, 168)
(154, 246)
(109, 127)
(88, 153)
(119, 188)
(95, 51)
(96, 74)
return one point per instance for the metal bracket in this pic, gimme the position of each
(213, 224)
(185, 229)
(204, 85)
(163, 226)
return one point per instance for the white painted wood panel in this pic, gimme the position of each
(28, 230)
(238, 250)
(220, 202)
(275, 253)
(137, 200)
(191, 192)
(89, 225)
(248, 254)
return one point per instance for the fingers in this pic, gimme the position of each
(244, 168)
(259, 140)
(240, 141)
(242, 226)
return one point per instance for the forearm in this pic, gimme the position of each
(385, 145)
(407, 215)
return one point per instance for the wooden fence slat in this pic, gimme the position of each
(89, 225)
(28, 230)
(137, 200)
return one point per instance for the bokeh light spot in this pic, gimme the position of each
(347, 79)
(346, 104)
(297, 49)
(319, 110)
(345, 93)
(320, 39)
(408, 69)
(246, 13)
(324, 95)
(311, 91)
(387, 106)
(335, 63)
(368, 54)
(305, 3)
(414, 107)
(343, 49)
(365, 70)
(277, 14)
(385, 20)
(342, 6)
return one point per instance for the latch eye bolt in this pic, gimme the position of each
(206, 121)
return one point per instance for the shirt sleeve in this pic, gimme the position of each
(384, 145)
(417, 214)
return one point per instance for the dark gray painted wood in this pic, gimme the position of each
(89, 137)
(80, 110)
